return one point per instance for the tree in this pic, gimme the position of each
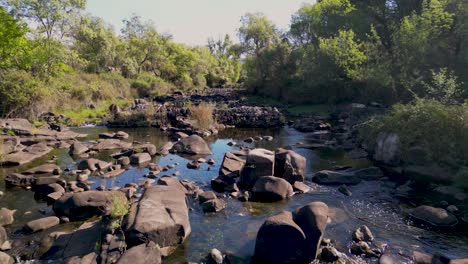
(14, 46)
(257, 32)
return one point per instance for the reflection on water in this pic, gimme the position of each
(234, 230)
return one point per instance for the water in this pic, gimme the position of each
(234, 229)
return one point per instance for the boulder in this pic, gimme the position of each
(289, 165)
(20, 180)
(433, 216)
(161, 216)
(206, 196)
(301, 187)
(165, 149)
(124, 161)
(6, 259)
(213, 205)
(20, 127)
(387, 149)
(232, 165)
(44, 169)
(148, 148)
(121, 135)
(27, 155)
(6, 216)
(77, 148)
(83, 205)
(193, 145)
(292, 237)
(363, 233)
(260, 163)
(335, 178)
(140, 158)
(216, 256)
(193, 165)
(142, 254)
(271, 189)
(93, 164)
(172, 182)
(42, 224)
(110, 144)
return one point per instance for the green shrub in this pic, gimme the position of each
(148, 85)
(441, 129)
(21, 94)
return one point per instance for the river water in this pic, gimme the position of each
(234, 229)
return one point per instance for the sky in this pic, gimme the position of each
(193, 21)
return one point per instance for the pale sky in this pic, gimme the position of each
(193, 21)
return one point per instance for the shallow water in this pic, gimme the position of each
(234, 229)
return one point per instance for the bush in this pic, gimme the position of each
(148, 85)
(21, 94)
(202, 115)
(441, 129)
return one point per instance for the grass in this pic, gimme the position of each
(87, 115)
(202, 115)
(119, 210)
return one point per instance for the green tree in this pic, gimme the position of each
(14, 46)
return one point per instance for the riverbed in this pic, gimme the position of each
(234, 229)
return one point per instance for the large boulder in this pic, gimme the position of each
(42, 224)
(161, 216)
(289, 165)
(292, 237)
(20, 127)
(6, 259)
(260, 163)
(387, 149)
(335, 178)
(193, 145)
(6, 216)
(83, 205)
(271, 189)
(142, 254)
(433, 216)
(232, 165)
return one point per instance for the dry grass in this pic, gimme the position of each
(202, 115)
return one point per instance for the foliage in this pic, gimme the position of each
(21, 93)
(444, 86)
(428, 123)
(202, 115)
(148, 85)
(14, 47)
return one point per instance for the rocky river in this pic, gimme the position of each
(366, 216)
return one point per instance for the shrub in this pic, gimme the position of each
(202, 115)
(441, 129)
(148, 85)
(21, 94)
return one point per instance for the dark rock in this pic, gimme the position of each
(387, 149)
(83, 205)
(335, 178)
(193, 145)
(16, 179)
(160, 216)
(213, 206)
(289, 165)
(344, 190)
(232, 165)
(260, 162)
(369, 174)
(142, 254)
(121, 135)
(271, 189)
(433, 216)
(44, 169)
(194, 165)
(206, 196)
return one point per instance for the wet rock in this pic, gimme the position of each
(124, 161)
(206, 196)
(213, 206)
(140, 158)
(165, 149)
(106, 135)
(301, 187)
(3, 235)
(387, 259)
(267, 138)
(193, 145)
(387, 149)
(161, 216)
(44, 169)
(216, 256)
(172, 182)
(433, 216)
(148, 148)
(121, 135)
(330, 255)
(452, 209)
(232, 165)
(289, 165)
(142, 254)
(363, 233)
(93, 164)
(83, 205)
(369, 174)
(211, 162)
(26, 155)
(344, 190)
(83, 175)
(260, 162)
(42, 224)
(292, 237)
(20, 180)
(335, 177)
(110, 144)
(362, 248)
(249, 140)
(271, 189)
(77, 148)
(6, 217)
(193, 165)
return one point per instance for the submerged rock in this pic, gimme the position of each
(433, 216)
(335, 178)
